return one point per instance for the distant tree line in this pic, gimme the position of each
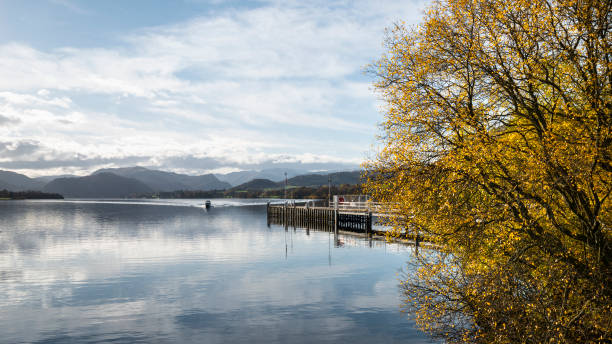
(5, 194)
(292, 193)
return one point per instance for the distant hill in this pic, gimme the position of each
(45, 179)
(337, 178)
(168, 181)
(18, 182)
(207, 182)
(104, 184)
(257, 184)
(273, 174)
(237, 178)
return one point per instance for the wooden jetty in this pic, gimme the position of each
(336, 216)
(345, 214)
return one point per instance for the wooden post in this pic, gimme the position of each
(335, 216)
(285, 215)
(268, 213)
(369, 223)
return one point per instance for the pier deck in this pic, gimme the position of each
(321, 218)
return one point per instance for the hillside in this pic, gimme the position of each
(273, 174)
(206, 182)
(257, 184)
(168, 181)
(18, 182)
(337, 178)
(107, 185)
(45, 179)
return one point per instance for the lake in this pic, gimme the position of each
(168, 271)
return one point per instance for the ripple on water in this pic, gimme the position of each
(169, 271)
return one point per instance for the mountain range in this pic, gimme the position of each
(168, 181)
(103, 184)
(132, 181)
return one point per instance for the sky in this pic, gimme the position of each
(190, 86)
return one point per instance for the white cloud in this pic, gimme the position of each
(11, 98)
(281, 80)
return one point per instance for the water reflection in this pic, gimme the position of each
(100, 272)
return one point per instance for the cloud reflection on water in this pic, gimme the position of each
(87, 272)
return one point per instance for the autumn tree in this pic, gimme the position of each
(497, 149)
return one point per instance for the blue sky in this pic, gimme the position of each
(190, 86)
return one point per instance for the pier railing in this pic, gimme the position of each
(352, 215)
(357, 203)
(323, 218)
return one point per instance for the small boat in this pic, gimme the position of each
(207, 204)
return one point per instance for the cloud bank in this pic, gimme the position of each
(237, 88)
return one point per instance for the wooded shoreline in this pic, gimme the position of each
(303, 192)
(18, 195)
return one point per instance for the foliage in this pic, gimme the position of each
(5, 194)
(497, 146)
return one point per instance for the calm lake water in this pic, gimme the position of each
(168, 271)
